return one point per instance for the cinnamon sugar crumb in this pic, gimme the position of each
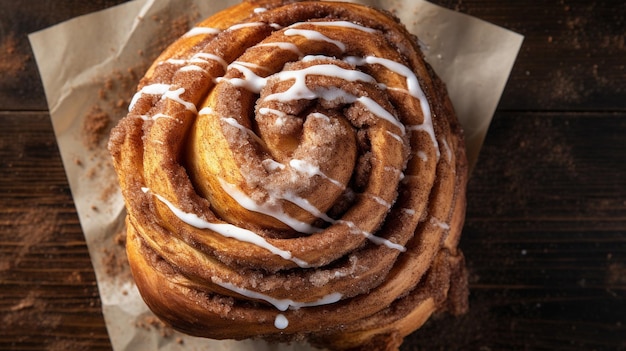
(78, 162)
(114, 258)
(154, 323)
(94, 127)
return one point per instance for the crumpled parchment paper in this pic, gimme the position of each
(90, 66)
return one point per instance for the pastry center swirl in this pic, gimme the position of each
(291, 129)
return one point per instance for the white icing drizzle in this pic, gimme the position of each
(408, 211)
(299, 90)
(311, 170)
(316, 36)
(279, 304)
(165, 92)
(245, 25)
(284, 46)
(175, 96)
(177, 62)
(154, 117)
(271, 165)
(201, 31)
(430, 131)
(327, 70)
(259, 9)
(274, 210)
(152, 89)
(320, 116)
(379, 111)
(373, 238)
(233, 122)
(413, 88)
(267, 111)
(439, 223)
(446, 147)
(200, 57)
(270, 208)
(251, 81)
(194, 68)
(204, 56)
(251, 65)
(379, 200)
(276, 26)
(244, 235)
(422, 156)
(395, 136)
(305, 205)
(281, 116)
(393, 170)
(309, 58)
(344, 24)
(229, 231)
(281, 322)
(206, 111)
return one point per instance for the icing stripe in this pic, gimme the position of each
(270, 208)
(279, 304)
(229, 231)
(201, 31)
(315, 35)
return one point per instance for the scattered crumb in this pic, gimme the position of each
(74, 277)
(78, 161)
(565, 89)
(30, 308)
(616, 274)
(114, 258)
(154, 323)
(176, 28)
(33, 227)
(14, 61)
(95, 126)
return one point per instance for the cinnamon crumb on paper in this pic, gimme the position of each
(95, 125)
(114, 258)
(153, 323)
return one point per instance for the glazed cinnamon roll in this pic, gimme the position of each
(294, 170)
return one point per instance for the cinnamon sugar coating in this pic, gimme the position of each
(295, 170)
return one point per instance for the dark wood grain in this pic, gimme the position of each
(545, 235)
(573, 52)
(20, 86)
(49, 298)
(544, 238)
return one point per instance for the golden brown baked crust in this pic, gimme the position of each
(294, 170)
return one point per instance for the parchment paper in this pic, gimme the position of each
(97, 59)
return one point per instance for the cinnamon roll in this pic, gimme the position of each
(294, 170)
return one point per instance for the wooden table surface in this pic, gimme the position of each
(545, 234)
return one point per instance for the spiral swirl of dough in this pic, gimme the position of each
(290, 170)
